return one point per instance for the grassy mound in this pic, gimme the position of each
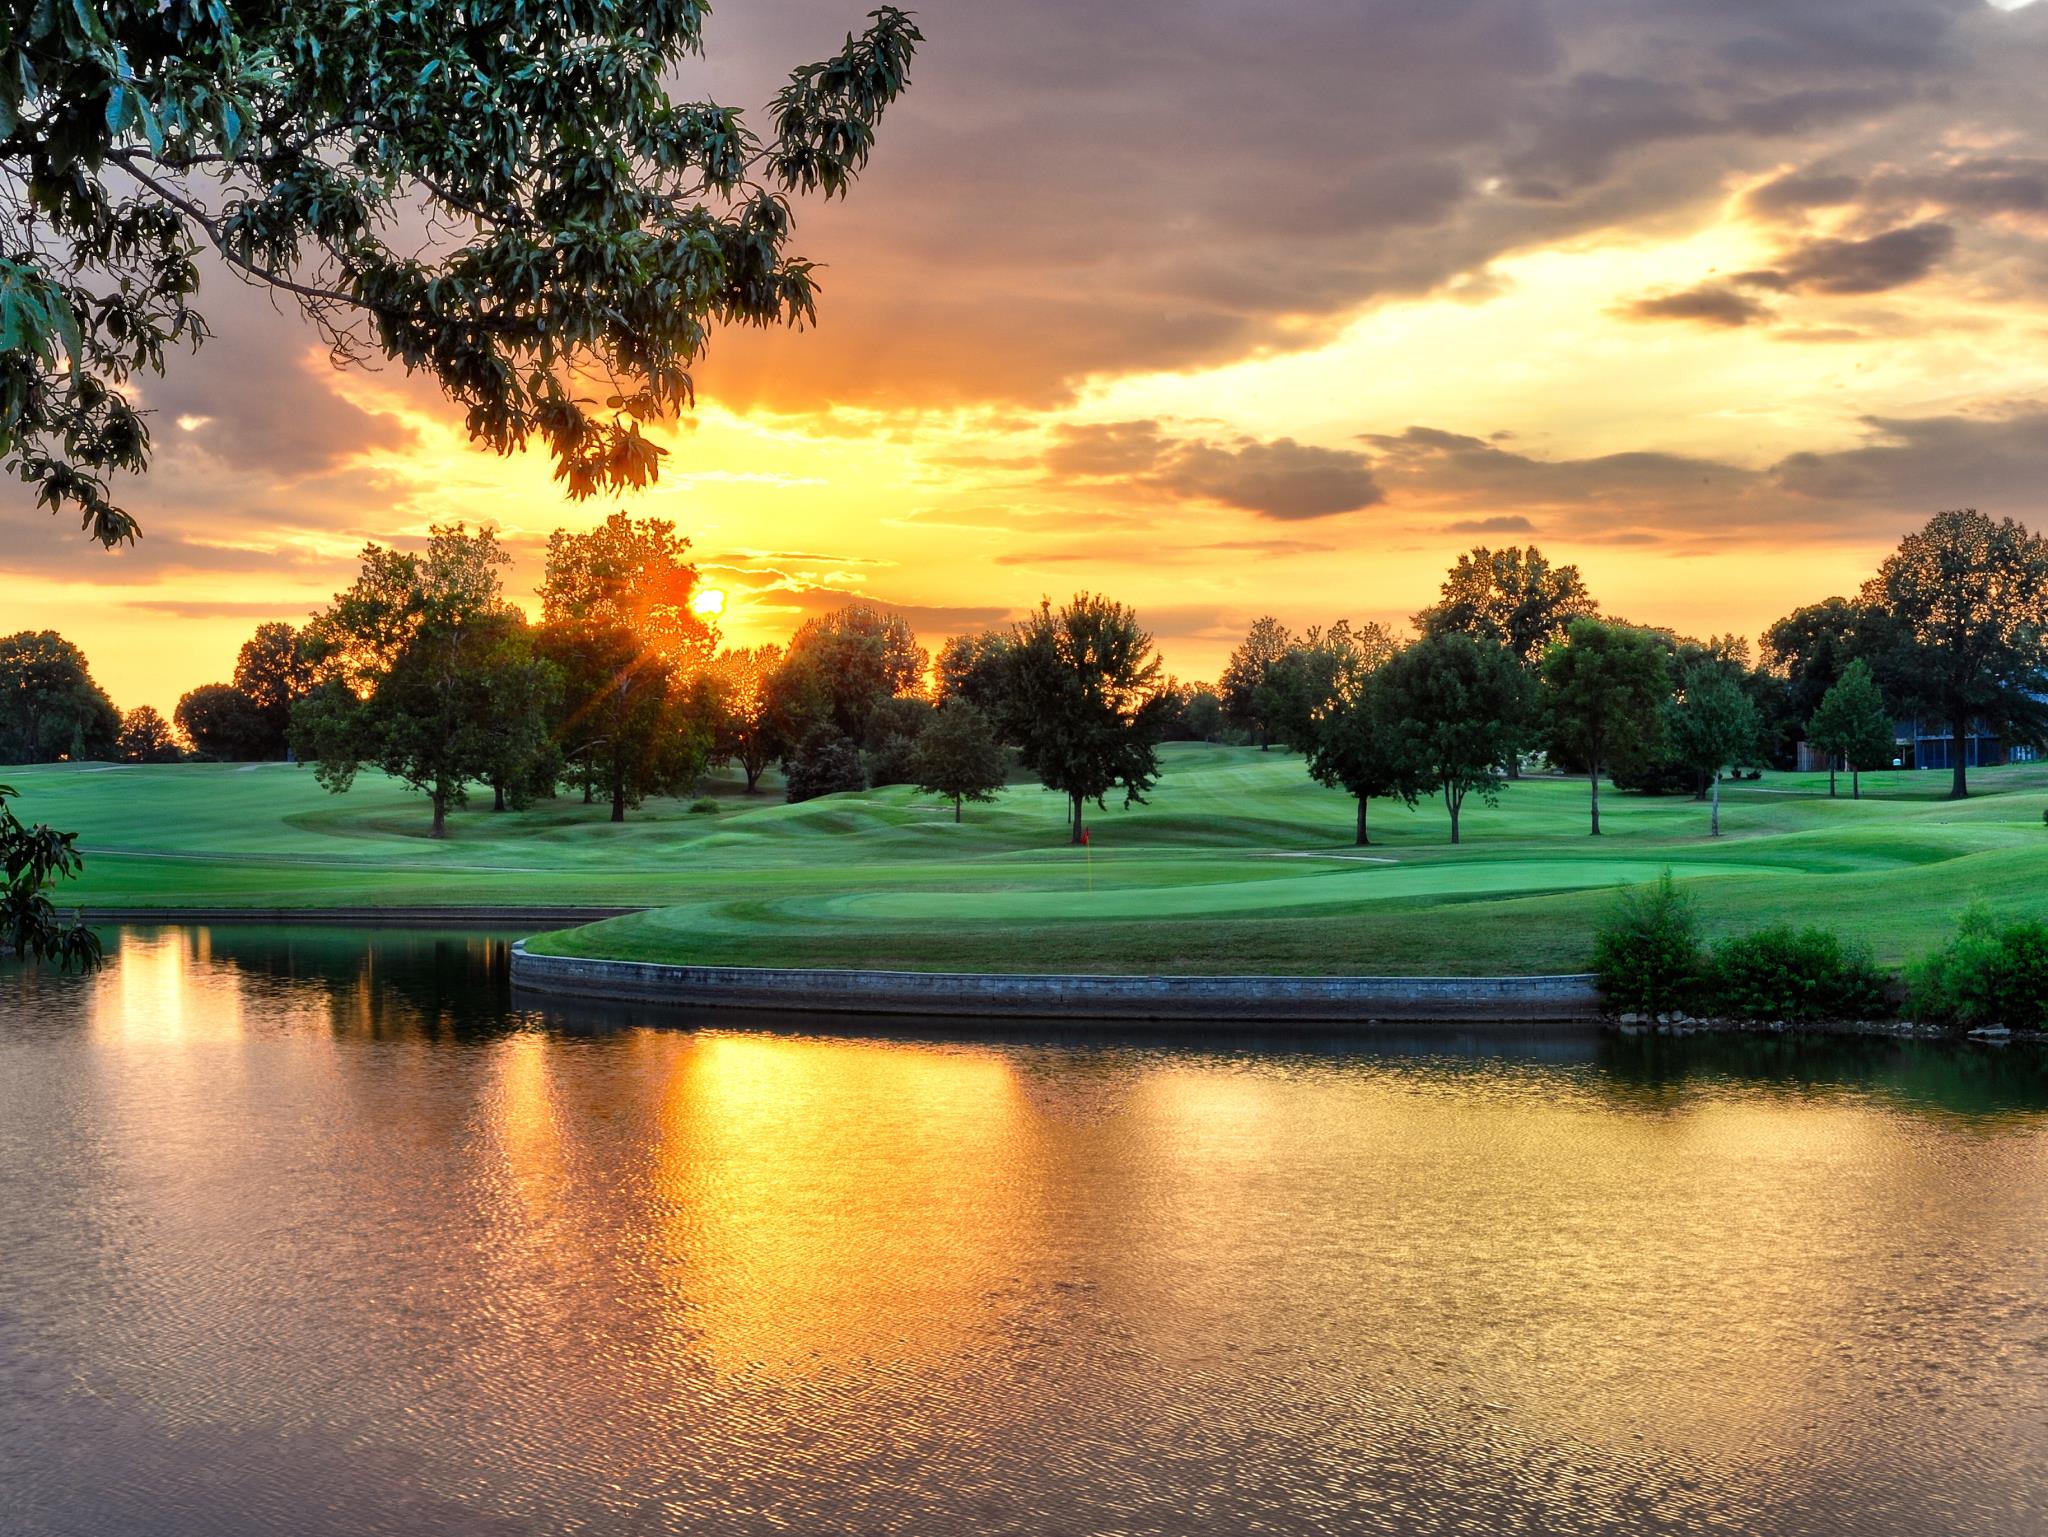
(1239, 864)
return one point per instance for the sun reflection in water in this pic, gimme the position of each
(832, 1202)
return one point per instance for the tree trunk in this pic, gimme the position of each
(1831, 776)
(1959, 744)
(440, 813)
(497, 797)
(1855, 783)
(1715, 824)
(1514, 765)
(1593, 779)
(1077, 817)
(1456, 803)
(956, 811)
(588, 794)
(1362, 840)
(618, 795)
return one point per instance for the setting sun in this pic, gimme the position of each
(708, 602)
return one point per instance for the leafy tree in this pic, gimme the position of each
(50, 707)
(1853, 727)
(1811, 647)
(1085, 704)
(1710, 726)
(1513, 597)
(1308, 679)
(893, 728)
(975, 668)
(408, 666)
(271, 670)
(1973, 595)
(33, 858)
(625, 720)
(1248, 687)
(957, 755)
(580, 225)
(1604, 690)
(1357, 745)
(1203, 713)
(823, 764)
(1460, 707)
(745, 725)
(618, 625)
(840, 665)
(223, 723)
(146, 738)
(630, 573)
(520, 691)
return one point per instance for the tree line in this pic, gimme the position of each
(424, 670)
(1516, 658)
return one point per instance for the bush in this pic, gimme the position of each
(824, 765)
(1988, 974)
(1804, 975)
(1646, 952)
(703, 806)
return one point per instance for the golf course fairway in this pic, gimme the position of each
(1237, 864)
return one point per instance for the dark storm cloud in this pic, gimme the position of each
(1431, 466)
(33, 543)
(1514, 524)
(1107, 449)
(1906, 468)
(1984, 185)
(1280, 479)
(1995, 463)
(260, 395)
(1797, 191)
(1971, 184)
(1890, 260)
(1709, 304)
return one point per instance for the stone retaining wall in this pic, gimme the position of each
(1494, 1000)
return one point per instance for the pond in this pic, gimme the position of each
(326, 1232)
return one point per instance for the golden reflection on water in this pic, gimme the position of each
(287, 1184)
(821, 1202)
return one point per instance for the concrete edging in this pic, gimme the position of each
(360, 917)
(1540, 1000)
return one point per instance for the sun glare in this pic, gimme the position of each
(708, 601)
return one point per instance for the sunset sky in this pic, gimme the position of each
(1227, 308)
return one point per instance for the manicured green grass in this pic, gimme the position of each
(1238, 864)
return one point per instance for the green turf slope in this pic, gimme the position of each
(1239, 863)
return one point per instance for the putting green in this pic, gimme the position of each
(1344, 886)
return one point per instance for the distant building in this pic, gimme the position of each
(1928, 745)
(1925, 744)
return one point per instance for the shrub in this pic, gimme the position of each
(824, 765)
(1803, 975)
(1646, 952)
(1987, 974)
(703, 806)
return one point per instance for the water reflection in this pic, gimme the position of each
(316, 1231)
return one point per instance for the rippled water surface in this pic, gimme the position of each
(319, 1232)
